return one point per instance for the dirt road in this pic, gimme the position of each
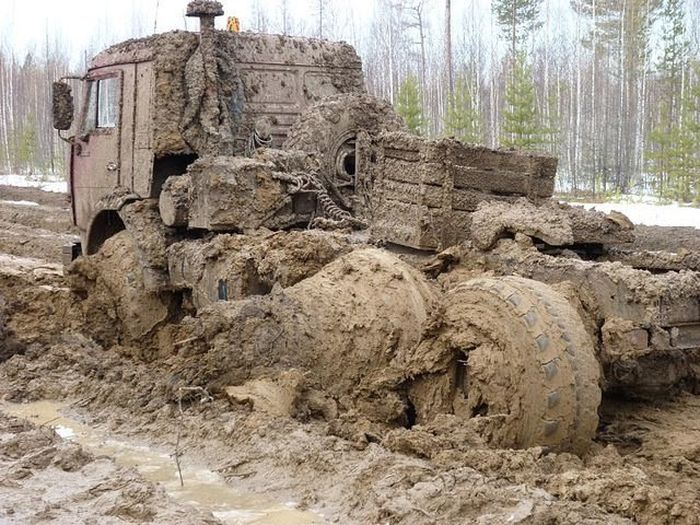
(643, 468)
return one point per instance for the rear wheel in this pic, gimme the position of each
(523, 361)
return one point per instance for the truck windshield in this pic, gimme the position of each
(91, 111)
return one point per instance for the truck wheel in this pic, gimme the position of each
(112, 284)
(524, 360)
(330, 129)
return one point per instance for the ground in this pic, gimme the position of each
(49, 480)
(644, 466)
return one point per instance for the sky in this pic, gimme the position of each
(80, 25)
(91, 24)
(81, 28)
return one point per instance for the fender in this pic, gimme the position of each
(106, 220)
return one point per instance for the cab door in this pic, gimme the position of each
(96, 162)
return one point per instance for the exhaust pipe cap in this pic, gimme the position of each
(202, 8)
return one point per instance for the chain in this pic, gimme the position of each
(255, 141)
(334, 217)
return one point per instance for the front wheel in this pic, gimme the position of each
(116, 301)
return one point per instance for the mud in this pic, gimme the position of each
(202, 489)
(46, 479)
(296, 415)
(204, 7)
(645, 324)
(323, 124)
(553, 223)
(214, 91)
(657, 261)
(9, 345)
(45, 198)
(116, 303)
(246, 265)
(673, 239)
(329, 130)
(62, 106)
(244, 195)
(208, 93)
(424, 191)
(491, 221)
(438, 471)
(34, 223)
(594, 227)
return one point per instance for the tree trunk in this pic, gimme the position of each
(448, 47)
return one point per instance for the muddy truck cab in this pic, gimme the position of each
(150, 107)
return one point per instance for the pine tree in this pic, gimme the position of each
(676, 159)
(27, 146)
(408, 105)
(685, 175)
(620, 39)
(662, 139)
(675, 44)
(518, 20)
(520, 127)
(462, 119)
(670, 150)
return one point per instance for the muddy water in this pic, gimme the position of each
(203, 488)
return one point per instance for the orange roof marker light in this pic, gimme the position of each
(233, 24)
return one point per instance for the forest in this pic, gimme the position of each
(611, 87)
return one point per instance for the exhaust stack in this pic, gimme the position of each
(206, 11)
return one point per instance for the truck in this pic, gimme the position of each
(249, 185)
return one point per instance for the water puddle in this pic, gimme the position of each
(204, 488)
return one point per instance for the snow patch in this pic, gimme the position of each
(650, 214)
(53, 183)
(21, 203)
(64, 432)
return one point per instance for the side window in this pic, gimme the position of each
(102, 104)
(107, 102)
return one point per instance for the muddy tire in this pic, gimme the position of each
(115, 296)
(524, 362)
(330, 128)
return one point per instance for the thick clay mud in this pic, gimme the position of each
(46, 479)
(554, 223)
(673, 239)
(9, 345)
(208, 89)
(34, 223)
(280, 395)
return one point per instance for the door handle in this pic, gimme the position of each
(112, 166)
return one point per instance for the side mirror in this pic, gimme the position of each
(62, 106)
